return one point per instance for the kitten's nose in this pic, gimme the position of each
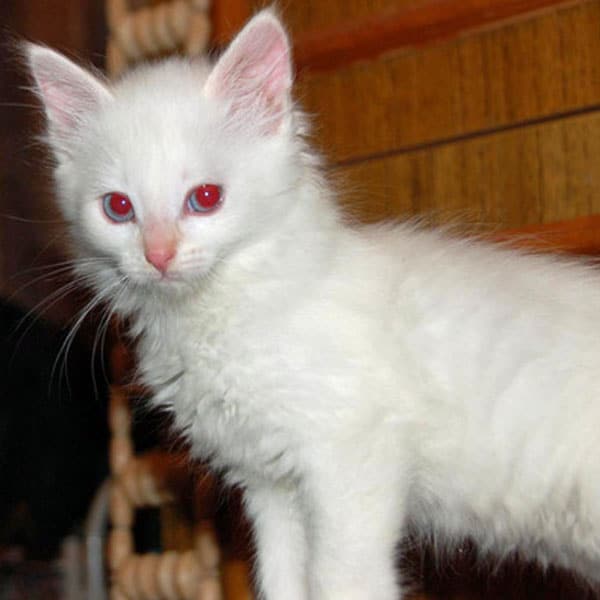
(160, 257)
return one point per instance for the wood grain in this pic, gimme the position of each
(228, 17)
(537, 174)
(413, 24)
(535, 69)
(311, 16)
(575, 236)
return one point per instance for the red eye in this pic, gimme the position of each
(204, 198)
(117, 207)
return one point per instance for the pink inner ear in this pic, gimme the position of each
(278, 78)
(67, 102)
(69, 92)
(255, 72)
(60, 106)
(268, 76)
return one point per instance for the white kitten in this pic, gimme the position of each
(355, 380)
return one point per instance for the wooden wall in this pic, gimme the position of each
(484, 111)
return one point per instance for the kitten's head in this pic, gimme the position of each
(171, 169)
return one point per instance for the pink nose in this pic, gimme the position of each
(160, 258)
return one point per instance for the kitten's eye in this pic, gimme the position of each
(117, 207)
(204, 198)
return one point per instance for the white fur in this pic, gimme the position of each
(355, 380)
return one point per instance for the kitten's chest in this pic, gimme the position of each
(222, 379)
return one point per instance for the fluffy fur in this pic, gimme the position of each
(355, 380)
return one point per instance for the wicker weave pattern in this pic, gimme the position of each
(148, 31)
(152, 479)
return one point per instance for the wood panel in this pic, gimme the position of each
(409, 25)
(579, 236)
(317, 16)
(537, 174)
(228, 17)
(530, 70)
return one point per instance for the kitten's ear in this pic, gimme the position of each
(69, 93)
(255, 73)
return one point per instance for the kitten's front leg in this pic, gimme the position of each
(281, 543)
(356, 520)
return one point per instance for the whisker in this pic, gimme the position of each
(70, 337)
(51, 241)
(100, 336)
(57, 271)
(42, 306)
(49, 277)
(65, 263)
(26, 220)
(19, 105)
(34, 314)
(99, 346)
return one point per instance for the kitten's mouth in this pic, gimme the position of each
(170, 282)
(152, 280)
(146, 281)
(167, 279)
